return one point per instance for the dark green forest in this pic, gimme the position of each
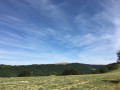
(44, 69)
(106, 68)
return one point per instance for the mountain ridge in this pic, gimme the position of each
(45, 69)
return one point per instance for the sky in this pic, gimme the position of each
(55, 31)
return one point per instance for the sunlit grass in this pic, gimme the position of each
(108, 81)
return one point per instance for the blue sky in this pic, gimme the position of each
(53, 31)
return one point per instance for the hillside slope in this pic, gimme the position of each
(106, 81)
(116, 71)
(45, 69)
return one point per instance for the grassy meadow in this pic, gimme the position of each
(107, 81)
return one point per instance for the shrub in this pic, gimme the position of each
(71, 72)
(24, 74)
(52, 73)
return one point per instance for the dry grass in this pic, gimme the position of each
(108, 81)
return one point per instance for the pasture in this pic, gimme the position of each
(107, 81)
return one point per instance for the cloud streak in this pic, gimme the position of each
(43, 31)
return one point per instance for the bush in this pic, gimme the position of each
(24, 74)
(52, 73)
(95, 72)
(71, 72)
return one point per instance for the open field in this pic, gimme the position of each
(108, 81)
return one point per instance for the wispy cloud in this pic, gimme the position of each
(41, 30)
(37, 57)
(52, 12)
(112, 11)
(104, 38)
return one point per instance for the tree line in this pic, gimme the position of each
(45, 69)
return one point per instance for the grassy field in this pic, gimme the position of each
(108, 81)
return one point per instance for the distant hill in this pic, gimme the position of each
(45, 69)
(62, 63)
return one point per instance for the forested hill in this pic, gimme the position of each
(45, 69)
